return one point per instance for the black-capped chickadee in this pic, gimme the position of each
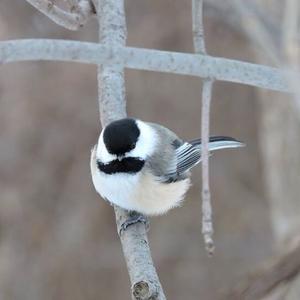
(145, 167)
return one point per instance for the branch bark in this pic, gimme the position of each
(72, 20)
(112, 103)
(203, 66)
(199, 46)
(207, 222)
(198, 29)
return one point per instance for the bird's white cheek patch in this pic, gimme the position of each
(146, 143)
(102, 153)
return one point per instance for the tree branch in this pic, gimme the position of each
(112, 103)
(207, 223)
(143, 276)
(199, 46)
(203, 66)
(73, 20)
(198, 29)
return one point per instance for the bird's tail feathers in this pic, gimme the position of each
(219, 142)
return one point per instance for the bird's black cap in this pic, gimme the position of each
(121, 136)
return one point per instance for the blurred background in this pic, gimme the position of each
(58, 239)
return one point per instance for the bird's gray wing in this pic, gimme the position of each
(186, 156)
(163, 161)
(174, 158)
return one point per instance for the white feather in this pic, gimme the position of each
(146, 143)
(141, 192)
(216, 145)
(102, 152)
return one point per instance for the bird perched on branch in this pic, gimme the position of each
(145, 167)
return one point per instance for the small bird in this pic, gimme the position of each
(145, 167)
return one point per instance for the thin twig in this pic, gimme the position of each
(112, 103)
(203, 66)
(199, 45)
(198, 29)
(71, 20)
(207, 223)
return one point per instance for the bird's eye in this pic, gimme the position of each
(132, 145)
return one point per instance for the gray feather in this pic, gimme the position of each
(174, 158)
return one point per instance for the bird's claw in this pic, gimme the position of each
(133, 219)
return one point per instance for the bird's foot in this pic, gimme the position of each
(134, 217)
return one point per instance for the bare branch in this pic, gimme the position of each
(198, 30)
(143, 276)
(73, 20)
(199, 45)
(207, 223)
(112, 103)
(146, 59)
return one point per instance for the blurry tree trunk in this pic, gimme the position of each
(279, 132)
(280, 139)
(272, 280)
(279, 123)
(278, 278)
(280, 142)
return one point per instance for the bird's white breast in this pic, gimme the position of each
(140, 192)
